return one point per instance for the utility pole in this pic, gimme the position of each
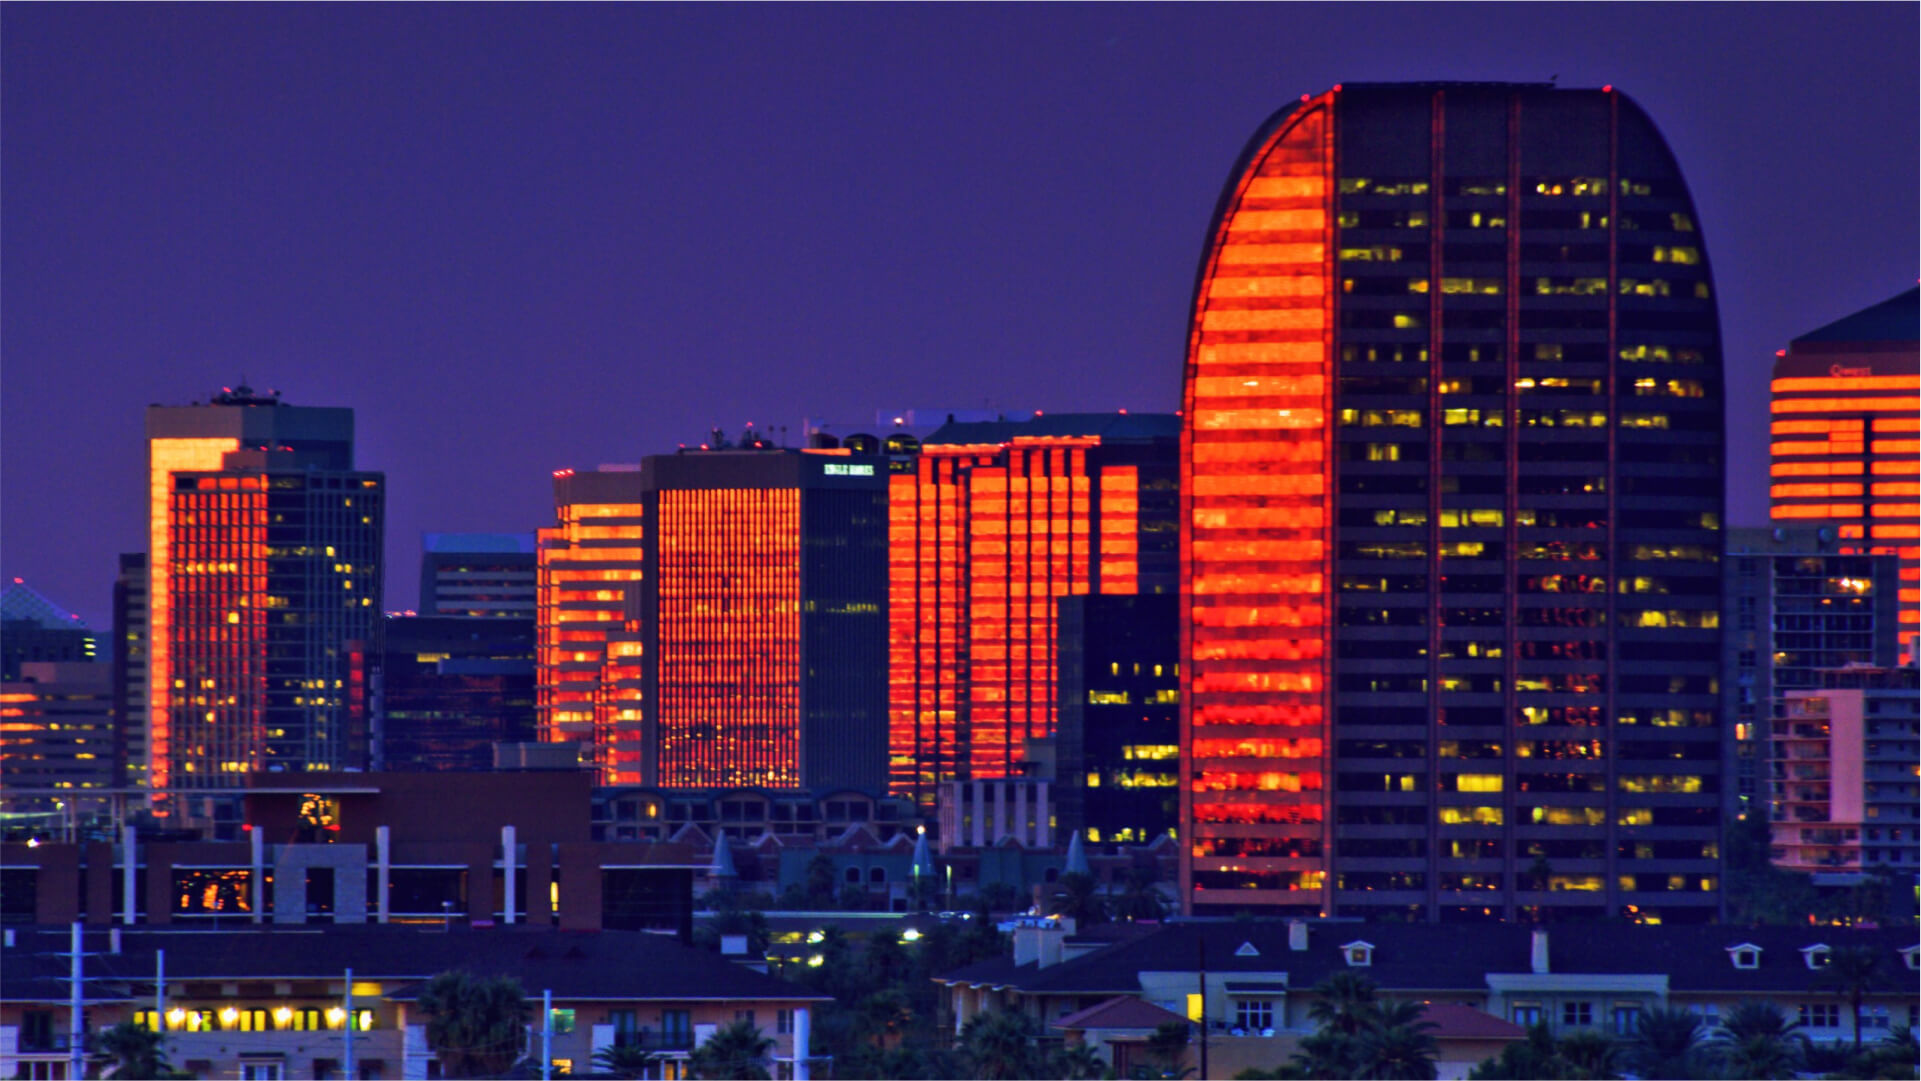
(347, 1053)
(1200, 956)
(547, 1035)
(77, 1013)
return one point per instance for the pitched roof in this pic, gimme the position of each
(1420, 957)
(1893, 320)
(1455, 1022)
(625, 965)
(1121, 1011)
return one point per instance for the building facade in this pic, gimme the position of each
(445, 689)
(130, 670)
(1451, 509)
(1117, 751)
(991, 525)
(478, 575)
(33, 628)
(1844, 785)
(1846, 438)
(56, 732)
(264, 553)
(717, 618)
(1798, 600)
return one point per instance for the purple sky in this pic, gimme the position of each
(518, 238)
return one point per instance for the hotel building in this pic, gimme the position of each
(1451, 510)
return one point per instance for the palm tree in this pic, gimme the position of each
(475, 1025)
(133, 1050)
(1757, 1040)
(1586, 1055)
(1395, 1045)
(735, 1052)
(1853, 971)
(884, 1015)
(1343, 1002)
(1001, 1045)
(623, 1060)
(1078, 1063)
(1666, 1044)
(1077, 895)
(1167, 1046)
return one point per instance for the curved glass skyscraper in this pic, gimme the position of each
(1452, 495)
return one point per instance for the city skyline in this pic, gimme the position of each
(641, 225)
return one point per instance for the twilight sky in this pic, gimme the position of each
(518, 238)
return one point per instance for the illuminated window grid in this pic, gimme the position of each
(1255, 494)
(217, 582)
(1029, 535)
(166, 457)
(729, 633)
(1862, 433)
(927, 616)
(590, 675)
(985, 541)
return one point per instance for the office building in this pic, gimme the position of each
(1845, 789)
(718, 618)
(264, 583)
(991, 524)
(446, 689)
(1117, 751)
(130, 670)
(1846, 429)
(1451, 505)
(56, 732)
(478, 575)
(1799, 601)
(33, 628)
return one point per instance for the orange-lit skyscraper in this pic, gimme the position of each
(1451, 499)
(1846, 426)
(717, 618)
(264, 566)
(990, 525)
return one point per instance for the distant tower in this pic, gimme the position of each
(478, 575)
(1846, 427)
(992, 524)
(264, 584)
(1451, 489)
(718, 618)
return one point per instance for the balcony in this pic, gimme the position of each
(648, 1040)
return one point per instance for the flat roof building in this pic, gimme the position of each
(1846, 438)
(718, 618)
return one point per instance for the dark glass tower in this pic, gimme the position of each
(1452, 497)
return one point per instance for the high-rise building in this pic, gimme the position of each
(478, 575)
(590, 686)
(718, 618)
(1451, 505)
(1846, 427)
(33, 628)
(1844, 776)
(264, 579)
(991, 524)
(1117, 751)
(56, 731)
(130, 670)
(1798, 601)
(446, 689)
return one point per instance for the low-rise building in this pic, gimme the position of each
(343, 1002)
(1248, 986)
